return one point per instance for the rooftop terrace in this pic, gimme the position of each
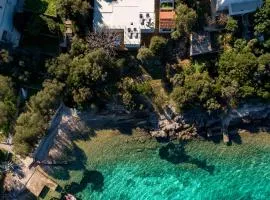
(132, 16)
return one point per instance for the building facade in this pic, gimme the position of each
(236, 7)
(8, 33)
(130, 17)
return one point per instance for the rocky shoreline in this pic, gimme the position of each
(172, 125)
(167, 126)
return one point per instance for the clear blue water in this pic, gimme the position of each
(213, 171)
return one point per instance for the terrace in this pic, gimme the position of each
(235, 7)
(166, 16)
(134, 17)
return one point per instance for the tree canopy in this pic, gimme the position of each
(262, 16)
(232, 25)
(72, 8)
(185, 20)
(197, 90)
(158, 45)
(31, 125)
(85, 75)
(7, 103)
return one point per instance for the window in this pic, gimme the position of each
(5, 36)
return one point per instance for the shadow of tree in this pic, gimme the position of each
(61, 172)
(124, 123)
(176, 154)
(36, 6)
(93, 177)
(173, 153)
(217, 139)
(236, 138)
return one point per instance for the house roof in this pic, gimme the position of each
(167, 19)
(167, 15)
(237, 7)
(132, 16)
(244, 7)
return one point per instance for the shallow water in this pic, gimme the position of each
(209, 170)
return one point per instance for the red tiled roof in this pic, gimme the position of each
(167, 14)
(167, 19)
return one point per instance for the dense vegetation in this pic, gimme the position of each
(7, 104)
(241, 75)
(31, 125)
(93, 73)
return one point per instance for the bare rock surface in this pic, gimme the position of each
(194, 123)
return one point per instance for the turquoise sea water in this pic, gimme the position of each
(210, 171)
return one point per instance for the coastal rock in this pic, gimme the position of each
(159, 134)
(197, 122)
(186, 126)
(172, 125)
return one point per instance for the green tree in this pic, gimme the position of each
(60, 66)
(91, 69)
(232, 25)
(158, 45)
(185, 20)
(78, 46)
(261, 19)
(237, 69)
(262, 76)
(4, 57)
(128, 101)
(32, 124)
(72, 8)
(82, 95)
(145, 55)
(238, 66)
(47, 99)
(52, 25)
(197, 90)
(87, 74)
(7, 103)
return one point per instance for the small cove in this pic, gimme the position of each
(118, 166)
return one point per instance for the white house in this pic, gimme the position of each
(8, 33)
(132, 17)
(237, 7)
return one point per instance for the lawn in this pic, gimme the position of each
(47, 7)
